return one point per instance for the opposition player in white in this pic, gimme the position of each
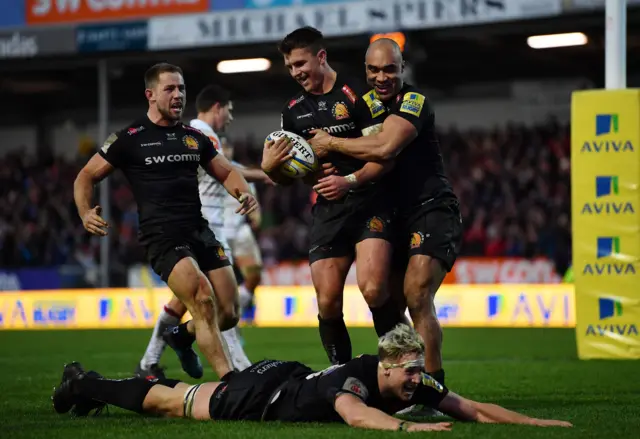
(239, 232)
(214, 108)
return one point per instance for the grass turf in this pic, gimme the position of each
(534, 371)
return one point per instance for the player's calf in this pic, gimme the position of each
(223, 282)
(423, 278)
(372, 270)
(328, 277)
(192, 287)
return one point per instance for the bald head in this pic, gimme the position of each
(388, 47)
(384, 66)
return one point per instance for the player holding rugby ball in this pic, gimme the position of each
(352, 215)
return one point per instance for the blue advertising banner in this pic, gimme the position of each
(13, 13)
(114, 37)
(29, 279)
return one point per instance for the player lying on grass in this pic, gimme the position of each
(363, 392)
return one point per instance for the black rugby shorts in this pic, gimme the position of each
(166, 245)
(246, 395)
(432, 229)
(337, 227)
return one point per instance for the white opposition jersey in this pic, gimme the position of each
(232, 221)
(212, 193)
(218, 206)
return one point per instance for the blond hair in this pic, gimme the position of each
(399, 341)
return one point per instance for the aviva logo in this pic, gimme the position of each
(607, 124)
(609, 308)
(607, 186)
(608, 247)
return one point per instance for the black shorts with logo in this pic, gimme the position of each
(433, 228)
(338, 226)
(167, 244)
(247, 394)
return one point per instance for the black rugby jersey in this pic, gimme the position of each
(161, 165)
(419, 172)
(351, 109)
(312, 398)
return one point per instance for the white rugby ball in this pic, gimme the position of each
(304, 160)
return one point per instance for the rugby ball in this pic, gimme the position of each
(304, 160)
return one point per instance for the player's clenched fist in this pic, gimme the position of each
(248, 203)
(93, 222)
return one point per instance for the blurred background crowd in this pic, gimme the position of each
(513, 184)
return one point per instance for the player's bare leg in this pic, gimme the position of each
(373, 261)
(171, 402)
(328, 276)
(170, 316)
(423, 278)
(195, 291)
(225, 286)
(251, 269)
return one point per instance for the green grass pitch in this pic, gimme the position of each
(534, 371)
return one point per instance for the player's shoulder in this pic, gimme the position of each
(133, 129)
(293, 101)
(364, 362)
(353, 88)
(413, 100)
(194, 131)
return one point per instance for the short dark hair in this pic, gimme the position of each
(303, 38)
(152, 75)
(211, 95)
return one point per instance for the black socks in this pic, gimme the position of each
(386, 317)
(182, 336)
(335, 339)
(128, 394)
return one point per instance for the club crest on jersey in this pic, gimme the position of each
(350, 94)
(340, 111)
(412, 103)
(135, 130)
(190, 142)
(373, 102)
(417, 238)
(375, 224)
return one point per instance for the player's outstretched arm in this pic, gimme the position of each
(222, 170)
(468, 410)
(396, 133)
(357, 414)
(96, 170)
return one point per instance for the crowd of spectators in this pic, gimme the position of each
(513, 184)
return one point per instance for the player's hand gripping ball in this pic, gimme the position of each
(303, 160)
